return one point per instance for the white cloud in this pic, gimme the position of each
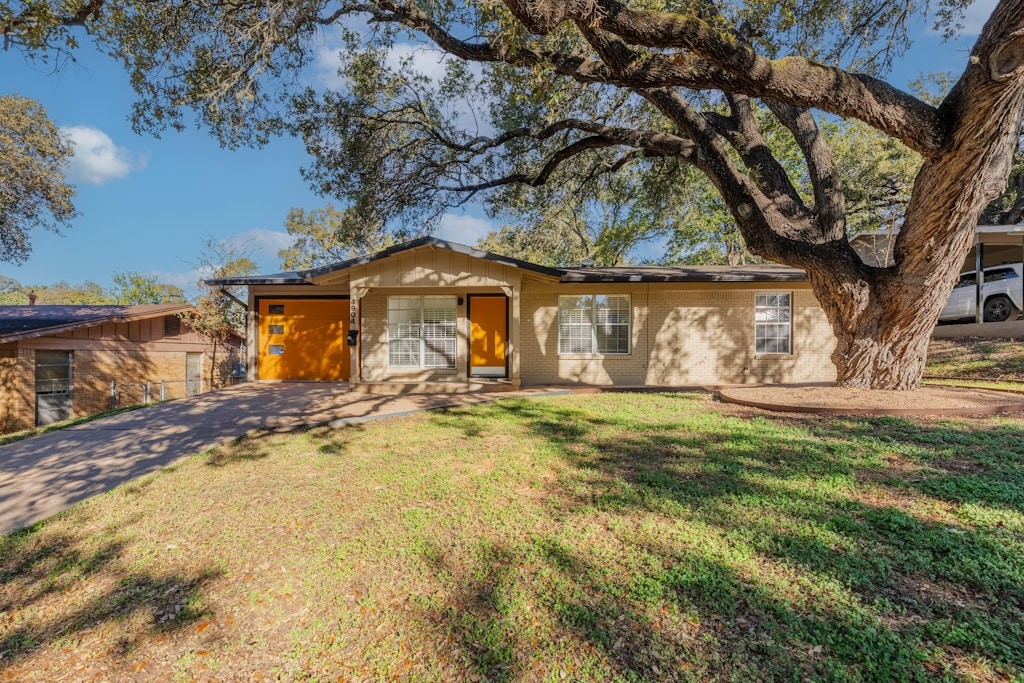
(261, 243)
(328, 61)
(431, 62)
(427, 60)
(463, 229)
(188, 280)
(96, 158)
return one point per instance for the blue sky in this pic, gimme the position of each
(147, 204)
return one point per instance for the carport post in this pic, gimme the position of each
(979, 283)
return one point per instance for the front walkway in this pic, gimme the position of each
(43, 475)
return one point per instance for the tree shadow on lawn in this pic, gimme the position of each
(763, 547)
(255, 445)
(38, 567)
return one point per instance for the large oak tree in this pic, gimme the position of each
(33, 191)
(652, 84)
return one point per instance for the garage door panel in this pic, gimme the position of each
(304, 339)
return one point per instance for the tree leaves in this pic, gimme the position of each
(33, 191)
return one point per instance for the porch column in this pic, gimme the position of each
(251, 330)
(979, 282)
(355, 368)
(513, 335)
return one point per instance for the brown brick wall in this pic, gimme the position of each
(93, 371)
(17, 389)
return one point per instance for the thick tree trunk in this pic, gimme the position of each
(883, 317)
(882, 326)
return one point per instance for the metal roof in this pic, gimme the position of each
(758, 273)
(304, 276)
(26, 321)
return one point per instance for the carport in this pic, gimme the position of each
(994, 245)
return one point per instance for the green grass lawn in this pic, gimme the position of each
(998, 385)
(984, 358)
(618, 537)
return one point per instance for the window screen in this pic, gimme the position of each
(611, 324)
(53, 372)
(275, 309)
(593, 323)
(275, 329)
(276, 350)
(172, 326)
(772, 323)
(421, 331)
(575, 324)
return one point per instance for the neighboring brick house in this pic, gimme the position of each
(431, 313)
(58, 362)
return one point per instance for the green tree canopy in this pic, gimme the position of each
(534, 86)
(329, 235)
(33, 191)
(136, 288)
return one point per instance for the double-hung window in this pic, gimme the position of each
(421, 331)
(773, 327)
(593, 324)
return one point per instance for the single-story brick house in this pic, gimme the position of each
(430, 311)
(58, 362)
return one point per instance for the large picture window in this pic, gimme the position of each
(593, 323)
(421, 331)
(773, 327)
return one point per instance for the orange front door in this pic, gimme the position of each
(488, 322)
(303, 339)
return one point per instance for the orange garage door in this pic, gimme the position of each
(303, 339)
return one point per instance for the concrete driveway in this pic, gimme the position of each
(46, 474)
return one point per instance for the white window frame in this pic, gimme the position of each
(787, 323)
(594, 347)
(420, 327)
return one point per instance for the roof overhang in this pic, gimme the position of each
(92, 321)
(334, 273)
(315, 275)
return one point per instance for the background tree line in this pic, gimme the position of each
(129, 288)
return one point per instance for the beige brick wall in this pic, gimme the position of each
(681, 335)
(17, 389)
(374, 336)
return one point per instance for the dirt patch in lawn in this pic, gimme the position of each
(926, 401)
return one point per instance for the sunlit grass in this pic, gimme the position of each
(612, 537)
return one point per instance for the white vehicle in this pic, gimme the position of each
(1001, 292)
